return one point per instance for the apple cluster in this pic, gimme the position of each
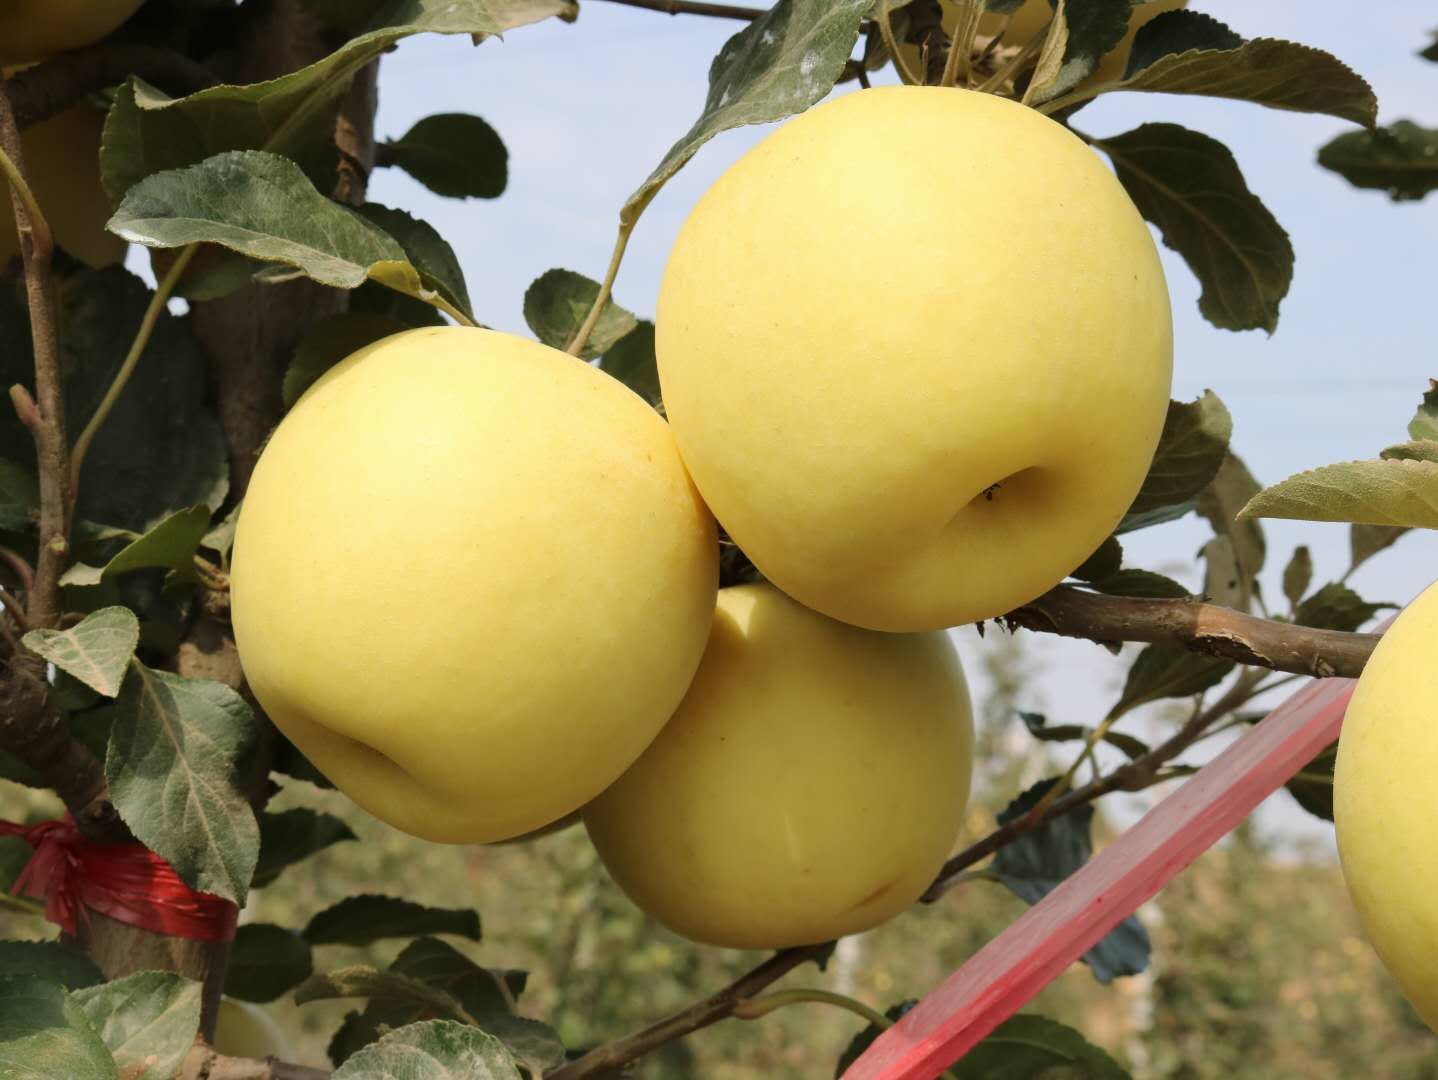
(915, 352)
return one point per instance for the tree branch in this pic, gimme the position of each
(29, 727)
(700, 1015)
(1201, 627)
(49, 88)
(1133, 776)
(694, 7)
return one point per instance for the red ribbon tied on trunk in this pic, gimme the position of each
(126, 882)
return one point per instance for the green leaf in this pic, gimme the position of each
(1166, 671)
(1105, 562)
(1417, 450)
(453, 154)
(434, 1050)
(556, 303)
(1223, 581)
(266, 961)
(221, 537)
(1190, 450)
(48, 960)
(1336, 607)
(534, 1045)
(359, 920)
(147, 131)
(361, 981)
(1140, 583)
(1032, 866)
(1424, 424)
(161, 448)
(1178, 56)
(433, 268)
(1403, 493)
(1298, 575)
(1431, 52)
(1312, 786)
(1040, 729)
(171, 773)
(1401, 159)
(1220, 503)
(96, 650)
(148, 1020)
(44, 1034)
(1029, 1047)
(784, 61)
(1166, 35)
(171, 544)
(289, 836)
(327, 342)
(1190, 187)
(632, 361)
(1091, 29)
(484, 994)
(1366, 541)
(19, 495)
(260, 205)
(91, 727)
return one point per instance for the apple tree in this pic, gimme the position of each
(230, 145)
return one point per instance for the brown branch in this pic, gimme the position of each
(1201, 627)
(45, 416)
(42, 91)
(694, 7)
(1136, 775)
(29, 727)
(202, 1063)
(700, 1015)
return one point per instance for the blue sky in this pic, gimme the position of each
(588, 109)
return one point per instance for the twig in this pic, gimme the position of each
(47, 422)
(886, 30)
(1016, 64)
(158, 300)
(961, 45)
(1133, 776)
(709, 1011)
(694, 7)
(42, 91)
(17, 562)
(29, 727)
(576, 346)
(1200, 627)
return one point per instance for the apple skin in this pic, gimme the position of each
(1385, 803)
(895, 302)
(62, 159)
(248, 1031)
(32, 30)
(1034, 15)
(471, 581)
(810, 785)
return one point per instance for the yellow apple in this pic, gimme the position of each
(811, 784)
(31, 30)
(1385, 802)
(1034, 15)
(62, 160)
(916, 349)
(471, 581)
(248, 1031)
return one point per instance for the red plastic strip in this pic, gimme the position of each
(997, 980)
(127, 882)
